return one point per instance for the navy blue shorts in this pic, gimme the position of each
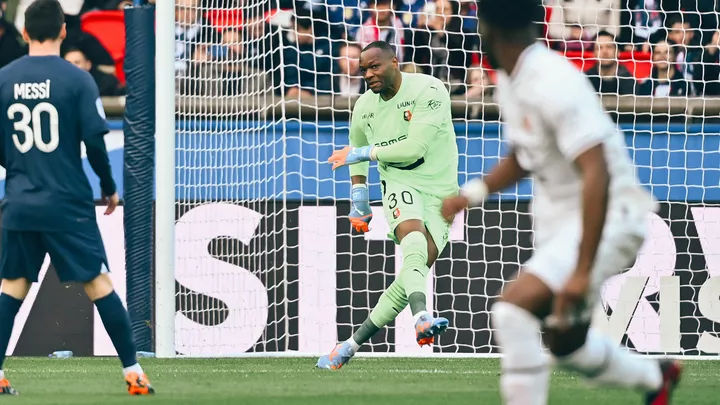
(76, 255)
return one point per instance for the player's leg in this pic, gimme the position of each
(404, 211)
(22, 256)
(517, 320)
(80, 256)
(515, 317)
(596, 356)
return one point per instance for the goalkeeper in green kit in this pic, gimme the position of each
(403, 123)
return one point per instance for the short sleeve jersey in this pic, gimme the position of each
(552, 115)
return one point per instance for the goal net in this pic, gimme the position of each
(266, 261)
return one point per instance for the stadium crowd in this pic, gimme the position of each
(306, 48)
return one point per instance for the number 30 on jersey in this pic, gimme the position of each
(30, 124)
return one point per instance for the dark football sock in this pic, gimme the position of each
(117, 324)
(9, 307)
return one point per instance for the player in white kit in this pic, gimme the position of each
(589, 215)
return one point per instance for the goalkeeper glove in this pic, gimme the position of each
(350, 155)
(361, 213)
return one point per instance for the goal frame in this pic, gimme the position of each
(164, 218)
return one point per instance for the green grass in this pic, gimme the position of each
(295, 381)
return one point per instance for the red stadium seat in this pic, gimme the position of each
(638, 63)
(109, 28)
(222, 19)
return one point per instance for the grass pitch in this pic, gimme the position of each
(295, 381)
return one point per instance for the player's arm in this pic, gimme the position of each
(431, 110)
(361, 213)
(580, 134)
(93, 128)
(473, 193)
(506, 173)
(429, 114)
(596, 180)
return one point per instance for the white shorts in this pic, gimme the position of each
(556, 253)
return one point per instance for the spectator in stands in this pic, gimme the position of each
(442, 49)
(665, 80)
(10, 46)
(579, 21)
(308, 60)
(93, 49)
(575, 41)
(383, 25)
(478, 82)
(641, 24)
(261, 44)
(687, 55)
(608, 76)
(345, 17)
(117, 4)
(238, 73)
(107, 83)
(468, 13)
(193, 38)
(709, 83)
(349, 81)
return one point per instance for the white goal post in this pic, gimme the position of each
(254, 255)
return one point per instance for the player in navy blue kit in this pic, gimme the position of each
(48, 107)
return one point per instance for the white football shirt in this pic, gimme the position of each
(552, 115)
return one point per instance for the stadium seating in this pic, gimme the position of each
(109, 28)
(637, 63)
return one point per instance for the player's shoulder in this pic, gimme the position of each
(11, 69)
(421, 82)
(367, 97)
(547, 75)
(76, 73)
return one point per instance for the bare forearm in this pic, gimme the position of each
(594, 206)
(505, 174)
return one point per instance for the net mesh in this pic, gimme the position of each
(266, 260)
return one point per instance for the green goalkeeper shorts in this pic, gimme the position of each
(401, 203)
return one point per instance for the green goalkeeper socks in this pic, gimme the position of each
(414, 271)
(408, 288)
(367, 330)
(391, 303)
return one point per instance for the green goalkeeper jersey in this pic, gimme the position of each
(414, 134)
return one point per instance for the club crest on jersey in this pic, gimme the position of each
(396, 213)
(407, 115)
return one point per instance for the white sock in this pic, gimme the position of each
(525, 376)
(2, 374)
(419, 314)
(604, 363)
(353, 345)
(134, 368)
